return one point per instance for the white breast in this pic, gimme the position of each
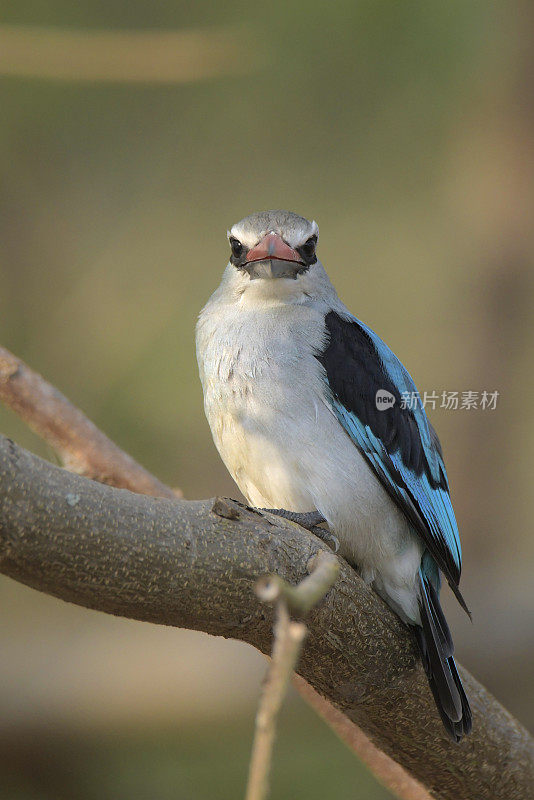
(255, 373)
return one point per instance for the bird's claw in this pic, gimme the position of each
(309, 520)
(327, 537)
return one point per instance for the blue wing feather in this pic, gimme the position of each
(401, 447)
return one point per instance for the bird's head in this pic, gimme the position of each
(272, 252)
(273, 244)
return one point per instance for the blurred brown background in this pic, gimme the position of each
(407, 131)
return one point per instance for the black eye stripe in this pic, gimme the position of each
(307, 250)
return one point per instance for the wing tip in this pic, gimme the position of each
(457, 593)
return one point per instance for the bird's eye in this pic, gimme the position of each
(308, 248)
(237, 247)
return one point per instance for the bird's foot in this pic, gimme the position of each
(309, 520)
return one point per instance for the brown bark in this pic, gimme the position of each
(179, 563)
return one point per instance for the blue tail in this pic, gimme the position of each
(435, 642)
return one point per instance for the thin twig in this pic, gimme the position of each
(81, 446)
(288, 640)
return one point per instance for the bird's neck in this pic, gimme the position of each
(266, 294)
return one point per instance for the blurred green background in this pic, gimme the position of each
(407, 131)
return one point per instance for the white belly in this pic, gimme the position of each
(285, 449)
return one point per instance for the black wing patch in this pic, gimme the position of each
(398, 443)
(355, 373)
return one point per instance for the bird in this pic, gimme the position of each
(307, 408)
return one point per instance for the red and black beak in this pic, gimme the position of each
(273, 258)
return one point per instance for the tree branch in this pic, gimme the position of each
(179, 563)
(82, 447)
